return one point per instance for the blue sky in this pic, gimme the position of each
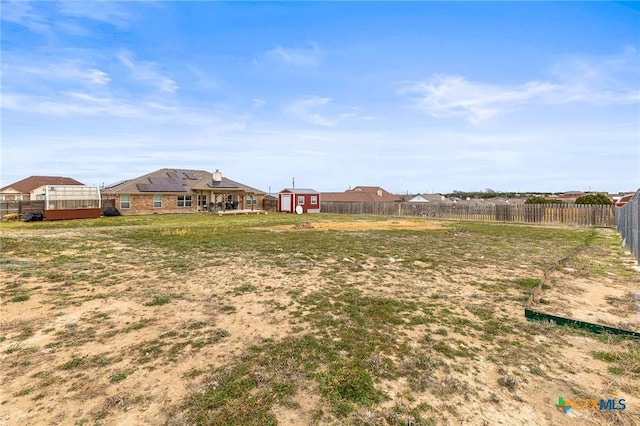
(411, 96)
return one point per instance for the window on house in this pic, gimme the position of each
(314, 199)
(250, 200)
(125, 201)
(300, 200)
(40, 197)
(19, 197)
(184, 201)
(157, 201)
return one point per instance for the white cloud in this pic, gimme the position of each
(257, 103)
(295, 57)
(77, 104)
(22, 13)
(203, 80)
(108, 12)
(320, 111)
(146, 72)
(65, 70)
(597, 81)
(450, 96)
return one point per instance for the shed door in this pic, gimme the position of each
(285, 199)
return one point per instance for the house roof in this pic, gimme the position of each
(301, 191)
(27, 185)
(176, 181)
(428, 198)
(361, 194)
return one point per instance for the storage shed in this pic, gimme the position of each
(290, 198)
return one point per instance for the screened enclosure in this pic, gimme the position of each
(66, 197)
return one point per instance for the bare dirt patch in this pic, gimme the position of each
(380, 225)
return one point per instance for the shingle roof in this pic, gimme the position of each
(301, 191)
(27, 185)
(175, 181)
(361, 194)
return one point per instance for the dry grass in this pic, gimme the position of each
(321, 319)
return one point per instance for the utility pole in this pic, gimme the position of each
(293, 183)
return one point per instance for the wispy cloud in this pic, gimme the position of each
(320, 111)
(74, 71)
(202, 79)
(74, 104)
(47, 18)
(22, 13)
(146, 72)
(604, 81)
(108, 12)
(450, 96)
(295, 57)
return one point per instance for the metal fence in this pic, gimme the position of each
(627, 223)
(561, 214)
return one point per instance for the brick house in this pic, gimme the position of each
(361, 194)
(182, 191)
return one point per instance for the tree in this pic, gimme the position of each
(598, 198)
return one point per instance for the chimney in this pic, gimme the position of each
(217, 176)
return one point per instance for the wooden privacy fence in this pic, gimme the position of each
(21, 207)
(568, 214)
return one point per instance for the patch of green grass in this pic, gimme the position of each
(74, 362)
(20, 298)
(228, 309)
(118, 377)
(149, 351)
(616, 369)
(25, 391)
(349, 383)
(528, 283)
(452, 352)
(218, 335)
(158, 301)
(605, 356)
(26, 332)
(244, 288)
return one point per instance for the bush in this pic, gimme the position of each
(598, 198)
(542, 200)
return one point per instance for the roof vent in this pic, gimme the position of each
(217, 176)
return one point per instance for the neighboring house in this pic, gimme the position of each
(33, 187)
(428, 198)
(361, 194)
(289, 199)
(569, 196)
(182, 191)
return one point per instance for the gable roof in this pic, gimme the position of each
(361, 194)
(27, 185)
(176, 181)
(300, 191)
(428, 198)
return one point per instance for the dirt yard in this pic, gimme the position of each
(310, 321)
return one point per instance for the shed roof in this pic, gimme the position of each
(301, 191)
